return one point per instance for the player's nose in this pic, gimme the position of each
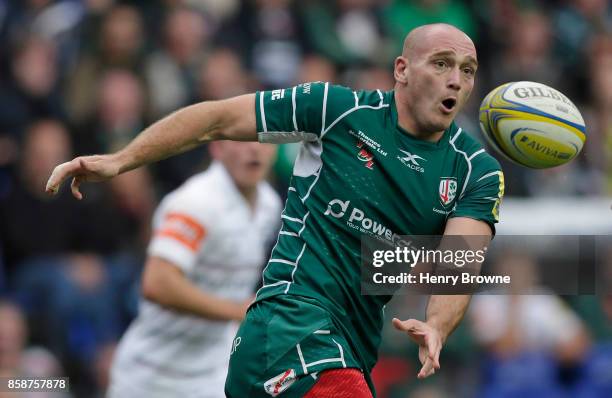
(454, 79)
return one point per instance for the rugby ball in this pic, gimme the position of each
(532, 124)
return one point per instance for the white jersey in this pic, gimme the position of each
(207, 229)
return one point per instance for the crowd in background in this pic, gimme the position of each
(85, 76)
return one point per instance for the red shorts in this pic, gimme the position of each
(340, 383)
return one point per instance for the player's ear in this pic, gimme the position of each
(400, 70)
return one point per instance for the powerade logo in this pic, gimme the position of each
(336, 208)
(357, 220)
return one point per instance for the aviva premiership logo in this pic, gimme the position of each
(447, 190)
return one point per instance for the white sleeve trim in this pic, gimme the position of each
(324, 110)
(284, 137)
(262, 111)
(491, 174)
(293, 104)
(467, 159)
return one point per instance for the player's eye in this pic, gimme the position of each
(469, 71)
(440, 64)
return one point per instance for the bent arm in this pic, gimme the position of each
(444, 312)
(165, 284)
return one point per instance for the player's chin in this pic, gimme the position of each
(254, 174)
(441, 122)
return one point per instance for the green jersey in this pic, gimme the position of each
(359, 173)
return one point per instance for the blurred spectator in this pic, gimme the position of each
(120, 109)
(171, 72)
(118, 45)
(575, 23)
(17, 358)
(222, 76)
(31, 91)
(218, 10)
(598, 116)
(32, 223)
(371, 78)
(566, 180)
(71, 301)
(119, 113)
(496, 19)
(134, 199)
(596, 310)
(528, 333)
(526, 318)
(56, 21)
(401, 16)
(528, 52)
(270, 33)
(316, 68)
(527, 55)
(347, 32)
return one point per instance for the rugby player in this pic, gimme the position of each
(389, 162)
(210, 240)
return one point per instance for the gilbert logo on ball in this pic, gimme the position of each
(532, 124)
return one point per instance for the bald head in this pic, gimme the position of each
(419, 40)
(434, 77)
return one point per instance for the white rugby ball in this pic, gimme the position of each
(532, 124)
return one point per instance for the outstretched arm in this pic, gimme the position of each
(231, 119)
(444, 312)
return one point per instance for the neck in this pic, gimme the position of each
(249, 194)
(406, 121)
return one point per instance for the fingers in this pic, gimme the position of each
(437, 358)
(428, 340)
(74, 187)
(406, 326)
(81, 169)
(61, 173)
(433, 351)
(429, 359)
(415, 329)
(427, 370)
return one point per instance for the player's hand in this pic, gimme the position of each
(82, 169)
(429, 340)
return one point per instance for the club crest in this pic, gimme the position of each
(447, 190)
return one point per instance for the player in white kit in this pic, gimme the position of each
(210, 239)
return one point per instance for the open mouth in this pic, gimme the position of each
(448, 104)
(253, 164)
